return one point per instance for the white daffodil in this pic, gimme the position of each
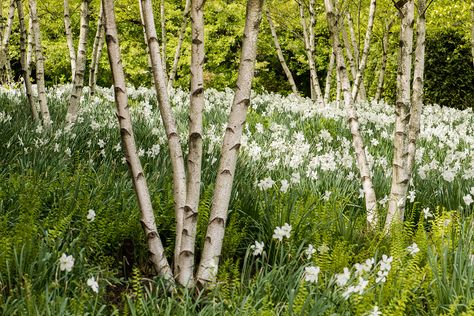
(66, 262)
(311, 274)
(257, 248)
(92, 283)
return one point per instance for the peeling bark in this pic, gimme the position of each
(185, 264)
(177, 161)
(70, 42)
(357, 140)
(230, 147)
(96, 51)
(280, 55)
(39, 66)
(155, 246)
(78, 84)
(400, 180)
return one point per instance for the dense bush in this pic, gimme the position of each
(449, 71)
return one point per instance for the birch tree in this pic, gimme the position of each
(280, 55)
(78, 84)
(25, 71)
(45, 117)
(308, 38)
(352, 118)
(185, 264)
(147, 220)
(96, 51)
(230, 147)
(177, 53)
(408, 109)
(163, 34)
(327, 89)
(383, 64)
(400, 180)
(5, 67)
(176, 155)
(69, 39)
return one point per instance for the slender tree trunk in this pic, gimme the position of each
(70, 42)
(281, 58)
(357, 140)
(177, 162)
(25, 72)
(365, 53)
(163, 35)
(400, 180)
(96, 51)
(39, 66)
(327, 89)
(150, 70)
(362, 94)
(5, 68)
(155, 246)
(309, 47)
(31, 47)
(383, 66)
(230, 147)
(338, 87)
(417, 95)
(177, 52)
(193, 185)
(76, 94)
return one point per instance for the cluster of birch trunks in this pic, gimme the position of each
(345, 59)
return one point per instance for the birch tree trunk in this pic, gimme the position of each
(30, 48)
(70, 42)
(327, 89)
(362, 95)
(176, 155)
(281, 58)
(163, 35)
(383, 66)
(193, 185)
(309, 47)
(365, 53)
(39, 66)
(400, 181)
(230, 147)
(25, 71)
(417, 95)
(177, 52)
(357, 140)
(150, 70)
(76, 94)
(5, 68)
(155, 246)
(96, 51)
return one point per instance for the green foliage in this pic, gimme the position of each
(449, 73)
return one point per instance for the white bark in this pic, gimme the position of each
(25, 71)
(417, 95)
(327, 89)
(146, 41)
(365, 53)
(193, 184)
(230, 147)
(357, 140)
(39, 66)
(308, 38)
(176, 155)
(163, 35)
(177, 52)
(78, 84)
(5, 68)
(155, 246)
(361, 95)
(280, 55)
(383, 65)
(30, 48)
(96, 51)
(400, 180)
(70, 42)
